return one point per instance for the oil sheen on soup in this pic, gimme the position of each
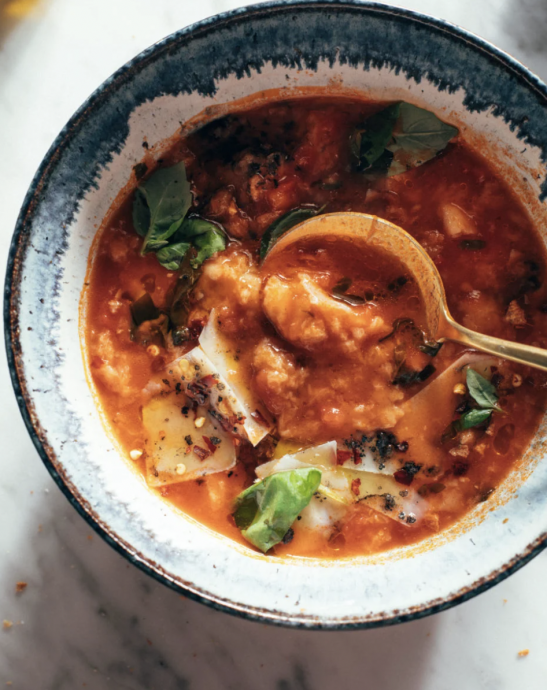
(295, 402)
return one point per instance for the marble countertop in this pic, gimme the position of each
(88, 619)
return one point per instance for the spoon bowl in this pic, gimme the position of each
(381, 234)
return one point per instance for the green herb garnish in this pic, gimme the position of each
(370, 141)
(285, 223)
(485, 396)
(149, 324)
(482, 391)
(144, 309)
(160, 208)
(170, 257)
(180, 309)
(207, 237)
(399, 138)
(473, 418)
(266, 510)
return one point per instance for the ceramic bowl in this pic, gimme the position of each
(383, 52)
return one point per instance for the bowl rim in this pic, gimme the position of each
(11, 317)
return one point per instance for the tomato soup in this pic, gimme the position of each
(297, 403)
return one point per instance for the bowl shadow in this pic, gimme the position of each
(90, 617)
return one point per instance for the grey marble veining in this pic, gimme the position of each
(88, 619)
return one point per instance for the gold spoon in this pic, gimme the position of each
(376, 232)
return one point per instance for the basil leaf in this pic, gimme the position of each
(141, 213)
(473, 418)
(170, 257)
(482, 391)
(265, 511)
(420, 130)
(399, 138)
(144, 309)
(160, 205)
(369, 142)
(210, 243)
(194, 226)
(206, 236)
(283, 224)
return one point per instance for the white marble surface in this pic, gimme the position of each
(87, 618)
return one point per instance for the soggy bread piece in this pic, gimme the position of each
(308, 317)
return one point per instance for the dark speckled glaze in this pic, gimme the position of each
(285, 36)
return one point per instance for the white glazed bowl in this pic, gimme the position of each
(385, 53)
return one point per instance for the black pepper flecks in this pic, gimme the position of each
(289, 536)
(412, 468)
(389, 502)
(382, 444)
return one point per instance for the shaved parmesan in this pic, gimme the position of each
(427, 414)
(167, 447)
(257, 422)
(210, 375)
(323, 456)
(342, 486)
(320, 514)
(200, 378)
(383, 493)
(370, 464)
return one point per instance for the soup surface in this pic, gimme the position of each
(295, 402)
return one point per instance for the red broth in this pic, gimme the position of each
(320, 381)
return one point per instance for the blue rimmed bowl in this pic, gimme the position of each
(349, 47)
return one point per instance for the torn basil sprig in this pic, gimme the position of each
(160, 209)
(204, 236)
(485, 397)
(398, 138)
(266, 510)
(284, 224)
(482, 391)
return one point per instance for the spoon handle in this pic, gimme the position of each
(506, 349)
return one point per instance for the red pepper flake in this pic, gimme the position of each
(209, 444)
(259, 417)
(196, 326)
(202, 453)
(210, 380)
(224, 423)
(198, 392)
(357, 460)
(355, 484)
(403, 477)
(342, 456)
(234, 419)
